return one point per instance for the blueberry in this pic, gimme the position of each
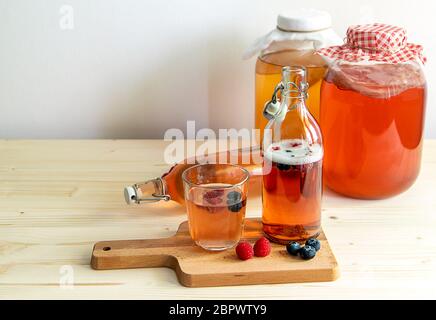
(307, 252)
(234, 201)
(234, 196)
(283, 167)
(235, 207)
(314, 243)
(293, 248)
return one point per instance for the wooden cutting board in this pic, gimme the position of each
(196, 267)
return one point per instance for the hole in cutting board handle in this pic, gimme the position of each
(106, 248)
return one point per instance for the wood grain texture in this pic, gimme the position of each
(58, 198)
(196, 267)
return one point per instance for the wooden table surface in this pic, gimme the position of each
(57, 198)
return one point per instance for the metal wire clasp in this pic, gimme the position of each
(133, 194)
(272, 107)
(289, 89)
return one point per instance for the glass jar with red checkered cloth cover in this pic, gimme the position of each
(373, 102)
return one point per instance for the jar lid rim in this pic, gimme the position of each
(304, 20)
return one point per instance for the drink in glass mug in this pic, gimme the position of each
(216, 197)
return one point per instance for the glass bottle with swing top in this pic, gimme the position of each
(169, 186)
(292, 170)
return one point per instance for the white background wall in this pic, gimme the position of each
(133, 68)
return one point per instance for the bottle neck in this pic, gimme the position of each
(295, 104)
(153, 190)
(295, 87)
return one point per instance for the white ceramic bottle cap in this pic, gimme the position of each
(304, 20)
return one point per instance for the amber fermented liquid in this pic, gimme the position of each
(292, 190)
(372, 133)
(216, 216)
(269, 74)
(173, 177)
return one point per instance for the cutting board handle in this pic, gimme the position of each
(149, 253)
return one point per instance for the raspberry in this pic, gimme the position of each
(262, 247)
(214, 196)
(213, 201)
(244, 250)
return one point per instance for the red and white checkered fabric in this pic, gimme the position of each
(376, 42)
